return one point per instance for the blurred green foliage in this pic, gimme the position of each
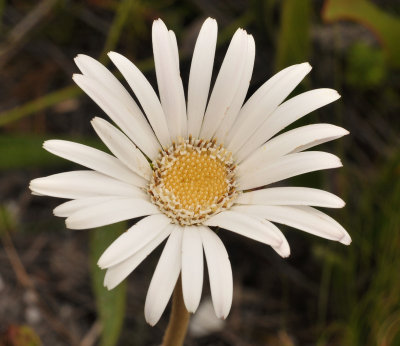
(385, 25)
(110, 304)
(366, 67)
(294, 36)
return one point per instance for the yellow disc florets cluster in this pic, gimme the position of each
(193, 180)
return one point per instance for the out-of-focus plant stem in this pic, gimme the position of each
(120, 19)
(179, 319)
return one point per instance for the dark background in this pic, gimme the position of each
(324, 294)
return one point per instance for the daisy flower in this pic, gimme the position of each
(186, 167)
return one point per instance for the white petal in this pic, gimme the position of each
(237, 102)
(286, 167)
(133, 240)
(95, 70)
(82, 184)
(94, 159)
(292, 141)
(110, 212)
(146, 96)
(192, 268)
(245, 225)
(283, 249)
(291, 196)
(122, 147)
(68, 208)
(174, 46)
(169, 81)
(287, 113)
(226, 84)
(306, 219)
(254, 114)
(200, 75)
(120, 271)
(219, 272)
(120, 113)
(164, 278)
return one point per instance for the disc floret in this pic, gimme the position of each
(193, 180)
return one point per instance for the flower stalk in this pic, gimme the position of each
(178, 321)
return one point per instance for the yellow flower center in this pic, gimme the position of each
(193, 181)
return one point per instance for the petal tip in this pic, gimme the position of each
(346, 239)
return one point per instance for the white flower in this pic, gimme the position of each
(210, 164)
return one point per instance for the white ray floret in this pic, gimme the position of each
(186, 169)
(226, 85)
(200, 76)
(164, 277)
(95, 70)
(254, 115)
(293, 141)
(169, 81)
(94, 159)
(122, 147)
(287, 113)
(219, 272)
(286, 167)
(109, 212)
(291, 196)
(82, 184)
(128, 243)
(146, 96)
(118, 111)
(192, 267)
(117, 273)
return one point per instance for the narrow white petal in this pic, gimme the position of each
(306, 219)
(68, 208)
(226, 84)
(146, 96)
(192, 268)
(237, 102)
(82, 184)
(120, 113)
(286, 167)
(110, 212)
(94, 159)
(174, 45)
(245, 225)
(293, 141)
(219, 272)
(291, 196)
(283, 249)
(169, 80)
(164, 278)
(133, 240)
(287, 113)
(253, 115)
(95, 70)
(200, 75)
(120, 271)
(122, 147)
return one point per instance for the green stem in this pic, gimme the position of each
(178, 321)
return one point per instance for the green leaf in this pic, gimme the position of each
(294, 38)
(384, 25)
(110, 304)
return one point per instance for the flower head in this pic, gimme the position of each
(186, 167)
